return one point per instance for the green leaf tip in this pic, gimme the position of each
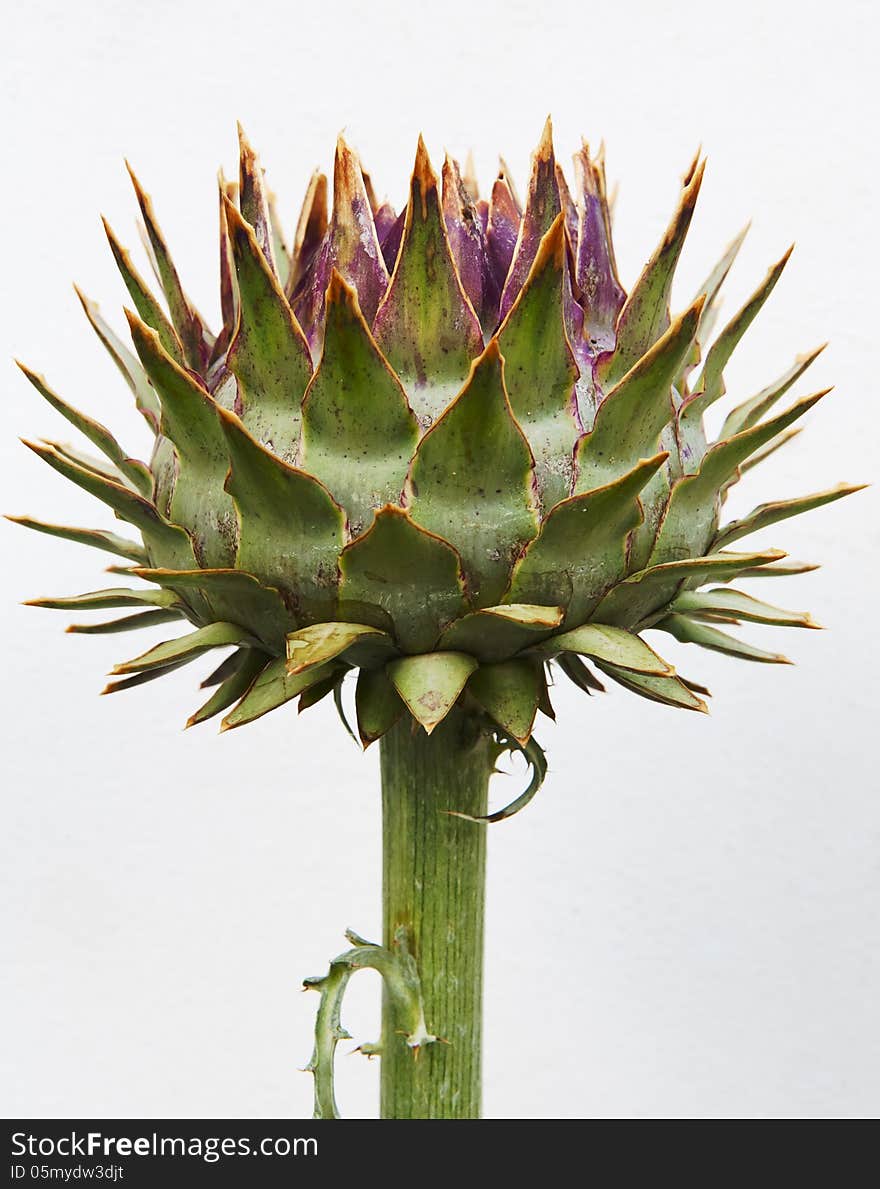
(613, 645)
(668, 691)
(645, 314)
(133, 472)
(247, 664)
(186, 322)
(129, 367)
(97, 538)
(215, 635)
(144, 302)
(273, 688)
(691, 631)
(430, 684)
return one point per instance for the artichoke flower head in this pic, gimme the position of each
(441, 447)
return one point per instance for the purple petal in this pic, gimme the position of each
(466, 238)
(351, 246)
(311, 228)
(391, 240)
(596, 272)
(542, 207)
(501, 234)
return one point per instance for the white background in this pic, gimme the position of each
(684, 923)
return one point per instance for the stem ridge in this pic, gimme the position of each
(434, 870)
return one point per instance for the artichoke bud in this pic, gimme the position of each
(441, 446)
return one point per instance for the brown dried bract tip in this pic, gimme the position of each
(423, 175)
(457, 198)
(540, 184)
(236, 227)
(119, 252)
(450, 174)
(90, 307)
(253, 197)
(550, 254)
(227, 187)
(368, 188)
(562, 185)
(135, 325)
(311, 228)
(544, 151)
(146, 339)
(677, 229)
(810, 356)
(469, 177)
(227, 265)
(348, 182)
(692, 168)
(505, 177)
(340, 292)
(589, 172)
(36, 378)
(504, 203)
(691, 185)
(247, 156)
(694, 311)
(313, 218)
(145, 202)
(552, 246)
(491, 354)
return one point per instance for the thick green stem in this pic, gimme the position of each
(434, 878)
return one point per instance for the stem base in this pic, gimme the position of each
(434, 875)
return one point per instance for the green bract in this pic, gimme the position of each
(441, 448)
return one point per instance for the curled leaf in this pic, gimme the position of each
(400, 978)
(536, 759)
